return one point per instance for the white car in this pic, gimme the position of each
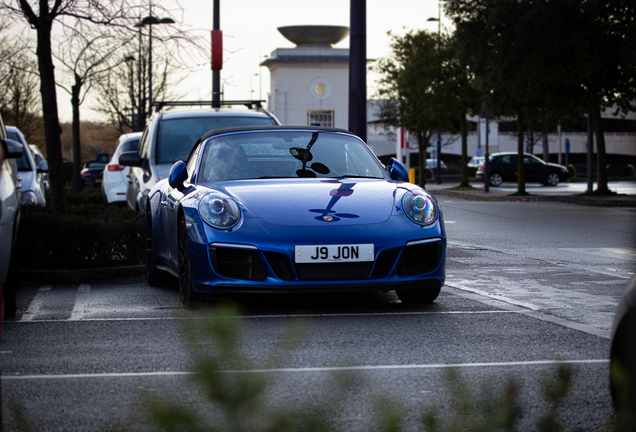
(115, 177)
(9, 219)
(39, 157)
(170, 136)
(30, 175)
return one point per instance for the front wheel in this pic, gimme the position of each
(552, 179)
(186, 294)
(495, 179)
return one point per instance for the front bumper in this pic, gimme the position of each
(404, 258)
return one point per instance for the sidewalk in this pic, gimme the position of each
(494, 194)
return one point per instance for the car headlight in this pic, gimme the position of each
(219, 211)
(29, 197)
(420, 207)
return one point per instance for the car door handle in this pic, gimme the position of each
(164, 203)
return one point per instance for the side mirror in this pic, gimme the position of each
(43, 166)
(178, 174)
(397, 171)
(12, 149)
(130, 158)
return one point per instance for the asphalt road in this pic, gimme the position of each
(529, 284)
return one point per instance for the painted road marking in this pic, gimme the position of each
(317, 369)
(36, 304)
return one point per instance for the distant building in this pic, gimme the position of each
(310, 86)
(310, 83)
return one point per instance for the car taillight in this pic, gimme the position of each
(115, 167)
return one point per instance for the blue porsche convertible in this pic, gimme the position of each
(292, 209)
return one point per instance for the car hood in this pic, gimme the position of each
(557, 166)
(314, 201)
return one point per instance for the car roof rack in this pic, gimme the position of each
(251, 104)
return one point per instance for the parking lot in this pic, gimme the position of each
(83, 356)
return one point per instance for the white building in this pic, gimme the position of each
(310, 86)
(310, 83)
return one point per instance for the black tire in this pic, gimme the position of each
(495, 179)
(552, 179)
(187, 295)
(418, 296)
(154, 276)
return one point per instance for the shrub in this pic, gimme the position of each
(90, 235)
(621, 170)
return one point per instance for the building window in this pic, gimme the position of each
(320, 118)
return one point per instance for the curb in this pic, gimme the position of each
(605, 201)
(81, 275)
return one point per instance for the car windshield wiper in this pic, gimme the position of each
(358, 176)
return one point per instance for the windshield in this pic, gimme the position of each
(289, 154)
(176, 137)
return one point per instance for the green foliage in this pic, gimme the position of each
(18, 415)
(233, 390)
(235, 396)
(483, 411)
(625, 171)
(423, 85)
(89, 235)
(623, 395)
(548, 59)
(555, 389)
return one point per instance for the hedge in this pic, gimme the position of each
(90, 235)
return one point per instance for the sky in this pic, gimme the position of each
(250, 34)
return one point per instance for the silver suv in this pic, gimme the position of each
(31, 177)
(170, 136)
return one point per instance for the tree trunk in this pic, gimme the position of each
(52, 128)
(546, 143)
(421, 160)
(521, 172)
(77, 147)
(601, 154)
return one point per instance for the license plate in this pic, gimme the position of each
(334, 253)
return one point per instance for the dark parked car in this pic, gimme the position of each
(92, 173)
(503, 167)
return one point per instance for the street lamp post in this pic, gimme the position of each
(438, 140)
(149, 21)
(130, 60)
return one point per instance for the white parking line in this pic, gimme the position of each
(317, 369)
(36, 304)
(527, 309)
(81, 302)
(277, 316)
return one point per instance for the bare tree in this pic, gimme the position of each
(18, 83)
(88, 53)
(124, 93)
(40, 15)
